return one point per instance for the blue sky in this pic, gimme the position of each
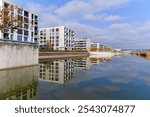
(118, 23)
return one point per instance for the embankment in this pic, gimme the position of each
(15, 54)
(54, 55)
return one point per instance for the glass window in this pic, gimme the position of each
(20, 11)
(19, 38)
(26, 20)
(26, 26)
(26, 13)
(57, 29)
(32, 16)
(11, 36)
(19, 31)
(25, 32)
(26, 39)
(57, 37)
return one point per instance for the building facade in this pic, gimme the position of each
(57, 38)
(97, 47)
(82, 44)
(28, 27)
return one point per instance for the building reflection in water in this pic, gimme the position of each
(59, 71)
(19, 84)
(86, 63)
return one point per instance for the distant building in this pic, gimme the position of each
(82, 44)
(28, 31)
(57, 38)
(95, 46)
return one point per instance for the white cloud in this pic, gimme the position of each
(102, 17)
(90, 9)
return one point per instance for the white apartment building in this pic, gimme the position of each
(57, 72)
(82, 44)
(28, 31)
(57, 38)
(95, 45)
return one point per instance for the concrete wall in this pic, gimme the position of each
(16, 81)
(102, 54)
(15, 54)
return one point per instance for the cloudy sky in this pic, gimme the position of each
(118, 23)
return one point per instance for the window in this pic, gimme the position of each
(19, 38)
(25, 39)
(57, 29)
(11, 36)
(26, 20)
(20, 31)
(25, 32)
(26, 13)
(20, 11)
(57, 44)
(12, 31)
(36, 17)
(26, 26)
(57, 37)
(32, 16)
(32, 34)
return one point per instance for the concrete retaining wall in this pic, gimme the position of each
(56, 55)
(20, 81)
(102, 54)
(16, 54)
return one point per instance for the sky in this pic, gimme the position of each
(118, 23)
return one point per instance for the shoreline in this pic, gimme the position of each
(57, 55)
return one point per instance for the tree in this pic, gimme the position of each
(49, 45)
(9, 19)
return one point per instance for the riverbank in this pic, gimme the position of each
(145, 54)
(53, 55)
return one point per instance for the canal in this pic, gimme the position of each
(118, 78)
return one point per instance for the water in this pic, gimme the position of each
(123, 78)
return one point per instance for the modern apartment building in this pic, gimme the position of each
(96, 47)
(57, 38)
(57, 72)
(28, 27)
(82, 44)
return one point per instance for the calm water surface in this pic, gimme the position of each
(123, 78)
